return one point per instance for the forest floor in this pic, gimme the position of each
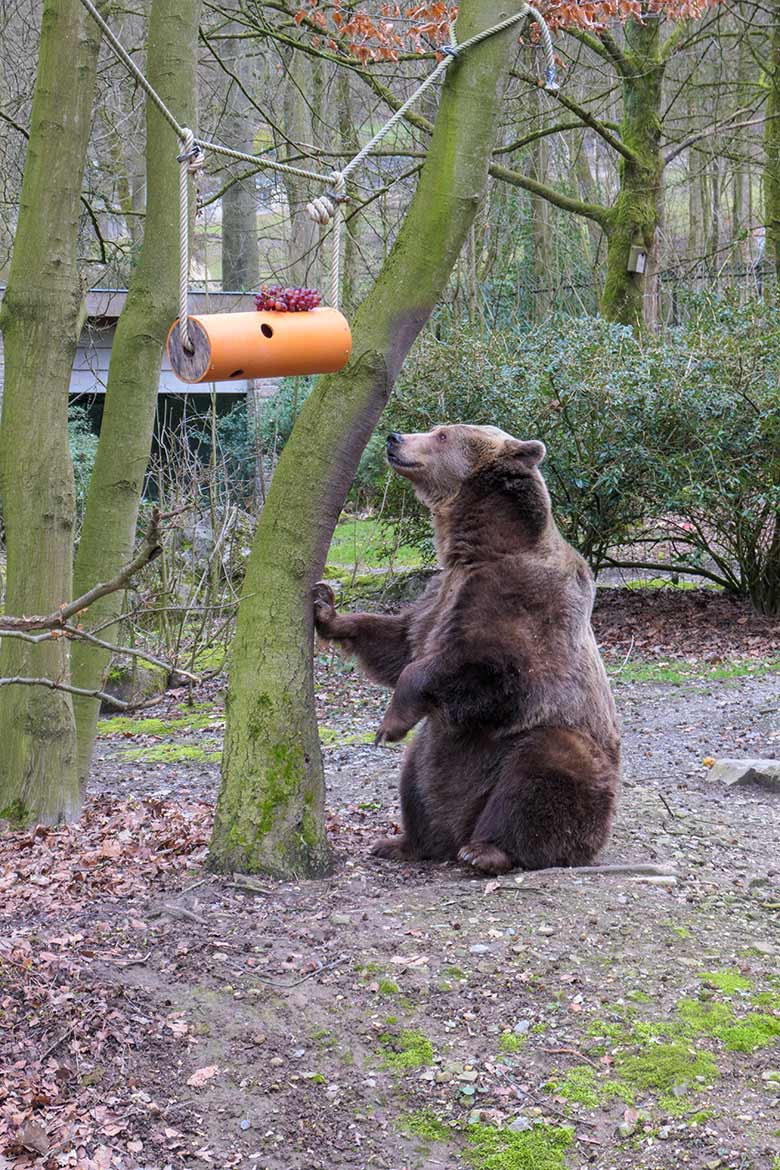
(400, 1016)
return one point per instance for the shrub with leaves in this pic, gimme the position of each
(663, 452)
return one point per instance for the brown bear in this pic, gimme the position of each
(517, 759)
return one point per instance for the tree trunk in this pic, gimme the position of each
(134, 375)
(41, 320)
(772, 151)
(302, 264)
(633, 219)
(270, 808)
(240, 253)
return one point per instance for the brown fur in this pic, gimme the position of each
(516, 762)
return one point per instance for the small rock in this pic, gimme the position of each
(341, 919)
(276, 1061)
(244, 1123)
(764, 948)
(546, 931)
(479, 949)
(520, 1125)
(680, 1090)
(521, 1027)
(443, 1077)
(470, 1077)
(771, 1074)
(764, 774)
(625, 1129)
(468, 1091)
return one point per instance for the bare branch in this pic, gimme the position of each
(53, 685)
(149, 550)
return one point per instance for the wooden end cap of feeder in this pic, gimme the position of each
(241, 346)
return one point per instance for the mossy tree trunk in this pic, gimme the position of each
(772, 153)
(134, 375)
(271, 802)
(41, 320)
(633, 218)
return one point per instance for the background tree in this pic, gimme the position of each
(41, 320)
(122, 458)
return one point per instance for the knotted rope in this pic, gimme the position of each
(324, 209)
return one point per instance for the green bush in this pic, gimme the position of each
(83, 446)
(662, 451)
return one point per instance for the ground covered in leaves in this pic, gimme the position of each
(401, 1016)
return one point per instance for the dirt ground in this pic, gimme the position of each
(402, 1016)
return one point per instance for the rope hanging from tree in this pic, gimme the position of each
(324, 209)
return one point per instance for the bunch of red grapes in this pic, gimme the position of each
(286, 300)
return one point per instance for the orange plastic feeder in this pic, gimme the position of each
(239, 346)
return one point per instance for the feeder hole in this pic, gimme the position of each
(266, 330)
(236, 374)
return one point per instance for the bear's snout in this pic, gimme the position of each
(393, 440)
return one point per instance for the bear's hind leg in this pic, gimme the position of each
(419, 840)
(540, 814)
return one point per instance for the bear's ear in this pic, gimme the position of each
(529, 452)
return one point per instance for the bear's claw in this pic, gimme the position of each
(322, 594)
(486, 858)
(391, 848)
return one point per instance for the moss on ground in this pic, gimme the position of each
(123, 725)
(729, 982)
(424, 1123)
(540, 1148)
(739, 1034)
(405, 1050)
(669, 1071)
(583, 1086)
(509, 1043)
(174, 753)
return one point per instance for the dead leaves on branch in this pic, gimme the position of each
(420, 28)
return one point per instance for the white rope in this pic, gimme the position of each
(323, 209)
(185, 159)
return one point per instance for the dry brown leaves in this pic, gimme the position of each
(694, 624)
(66, 1036)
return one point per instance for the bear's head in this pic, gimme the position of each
(475, 474)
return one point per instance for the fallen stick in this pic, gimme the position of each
(664, 869)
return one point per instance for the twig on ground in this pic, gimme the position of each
(247, 885)
(136, 962)
(289, 986)
(174, 911)
(570, 1052)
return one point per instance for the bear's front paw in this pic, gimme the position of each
(391, 730)
(324, 602)
(486, 858)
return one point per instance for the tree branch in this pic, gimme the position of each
(53, 685)
(585, 116)
(592, 211)
(149, 550)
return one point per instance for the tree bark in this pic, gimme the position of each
(633, 219)
(240, 253)
(271, 803)
(772, 150)
(41, 319)
(122, 456)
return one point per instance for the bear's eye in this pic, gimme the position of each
(441, 436)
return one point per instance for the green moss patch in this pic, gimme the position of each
(174, 753)
(668, 1070)
(424, 1123)
(738, 1034)
(729, 982)
(583, 1086)
(405, 1050)
(541, 1148)
(123, 725)
(510, 1043)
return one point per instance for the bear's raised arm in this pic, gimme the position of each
(478, 693)
(380, 643)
